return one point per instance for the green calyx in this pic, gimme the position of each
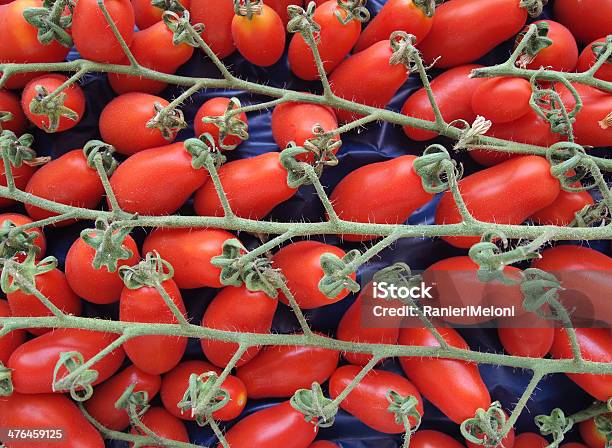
(593, 214)
(132, 400)
(427, 6)
(169, 5)
(556, 424)
(600, 48)
(404, 51)
(52, 107)
(603, 424)
(151, 271)
(535, 43)
(168, 121)
(5, 116)
(248, 8)
(6, 384)
(108, 244)
(97, 148)
(302, 21)
(486, 427)
(204, 152)
(14, 241)
(229, 124)
(296, 169)
(17, 149)
(51, 21)
(316, 407)
(435, 168)
(178, 23)
(203, 397)
(533, 7)
(78, 381)
(323, 147)
(571, 165)
(540, 290)
(547, 104)
(353, 10)
(336, 273)
(404, 408)
(18, 276)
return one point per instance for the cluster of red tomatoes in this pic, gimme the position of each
(157, 178)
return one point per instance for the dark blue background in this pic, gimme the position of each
(376, 143)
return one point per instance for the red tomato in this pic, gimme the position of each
(519, 187)
(94, 38)
(157, 181)
(19, 220)
(530, 440)
(352, 328)
(469, 391)
(586, 19)
(249, 34)
(453, 92)
(20, 42)
(9, 102)
(336, 41)
(96, 285)
(123, 123)
(368, 400)
(507, 442)
(254, 186)
(591, 435)
(280, 6)
(48, 411)
(176, 382)
(216, 107)
(395, 15)
(433, 439)
(74, 100)
(21, 175)
(562, 55)
(301, 265)
(164, 425)
(236, 309)
(189, 252)
(153, 48)
(592, 126)
(153, 354)
(279, 426)
(53, 286)
(323, 444)
(530, 128)
(12, 340)
(294, 122)
(216, 16)
(279, 371)
(502, 99)
(465, 30)
(595, 345)
(378, 79)
(563, 210)
(34, 361)
(66, 180)
(587, 59)
(148, 15)
(533, 342)
(101, 405)
(384, 192)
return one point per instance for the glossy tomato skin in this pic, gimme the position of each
(123, 123)
(595, 345)
(587, 59)
(529, 342)
(279, 426)
(433, 439)
(189, 251)
(280, 6)
(157, 181)
(94, 38)
(38, 411)
(216, 16)
(20, 42)
(562, 55)
(336, 41)
(96, 285)
(502, 99)
(462, 378)
(75, 100)
(254, 186)
(9, 102)
(176, 382)
(530, 440)
(277, 372)
(164, 424)
(147, 15)
(236, 309)
(368, 401)
(586, 19)
(506, 186)
(395, 15)
(378, 79)
(101, 405)
(12, 340)
(301, 264)
(21, 175)
(215, 107)
(465, 30)
(453, 91)
(153, 48)
(384, 192)
(34, 361)
(67, 180)
(249, 36)
(294, 122)
(153, 354)
(563, 210)
(19, 220)
(591, 435)
(53, 286)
